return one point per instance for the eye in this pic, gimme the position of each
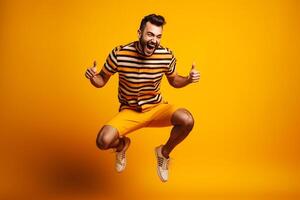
(150, 34)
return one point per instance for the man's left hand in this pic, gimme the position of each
(194, 75)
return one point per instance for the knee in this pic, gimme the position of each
(102, 142)
(183, 117)
(105, 138)
(188, 121)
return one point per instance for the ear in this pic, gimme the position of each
(139, 34)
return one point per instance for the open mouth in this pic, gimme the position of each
(150, 46)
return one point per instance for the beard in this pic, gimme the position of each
(148, 47)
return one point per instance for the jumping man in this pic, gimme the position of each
(141, 65)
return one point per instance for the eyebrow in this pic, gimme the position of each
(153, 33)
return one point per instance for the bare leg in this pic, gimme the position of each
(183, 123)
(108, 137)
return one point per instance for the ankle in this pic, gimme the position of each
(165, 152)
(120, 145)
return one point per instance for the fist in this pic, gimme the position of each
(91, 72)
(194, 75)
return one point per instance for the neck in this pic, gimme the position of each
(139, 48)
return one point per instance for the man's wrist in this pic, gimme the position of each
(93, 78)
(189, 78)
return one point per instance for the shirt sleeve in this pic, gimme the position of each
(171, 72)
(110, 66)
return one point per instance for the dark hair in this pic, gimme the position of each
(157, 20)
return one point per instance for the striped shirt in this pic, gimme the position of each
(139, 76)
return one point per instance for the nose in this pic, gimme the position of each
(154, 40)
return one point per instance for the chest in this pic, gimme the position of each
(148, 70)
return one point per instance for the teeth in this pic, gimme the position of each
(151, 45)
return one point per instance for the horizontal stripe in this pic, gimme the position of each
(143, 58)
(133, 80)
(156, 98)
(112, 64)
(134, 84)
(123, 100)
(144, 67)
(141, 65)
(109, 68)
(143, 61)
(142, 70)
(112, 56)
(141, 75)
(139, 89)
(128, 97)
(134, 53)
(139, 85)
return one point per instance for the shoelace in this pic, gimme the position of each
(120, 157)
(163, 163)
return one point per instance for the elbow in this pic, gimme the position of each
(174, 85)
(98, 86)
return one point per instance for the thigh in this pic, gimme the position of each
(162, 116)
(127, 121)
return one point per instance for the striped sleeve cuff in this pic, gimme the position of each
(172, 68)
(110, 66)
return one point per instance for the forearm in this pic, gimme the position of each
(181, 81)
(97, 81)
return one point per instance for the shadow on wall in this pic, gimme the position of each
(61, 167)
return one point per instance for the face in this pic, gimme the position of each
(149, 38)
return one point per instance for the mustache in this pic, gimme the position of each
(153, 43)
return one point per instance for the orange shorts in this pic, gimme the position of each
(128, 120)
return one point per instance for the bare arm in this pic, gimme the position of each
(97, 80)
(178, 81)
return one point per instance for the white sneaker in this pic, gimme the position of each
(121, 156)
(162, 164)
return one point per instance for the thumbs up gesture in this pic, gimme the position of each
(91, 72)
(194, 75)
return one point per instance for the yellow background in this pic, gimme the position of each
(245, 143)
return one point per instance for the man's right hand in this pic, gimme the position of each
(91, 72)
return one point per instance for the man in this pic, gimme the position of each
(141, 65)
